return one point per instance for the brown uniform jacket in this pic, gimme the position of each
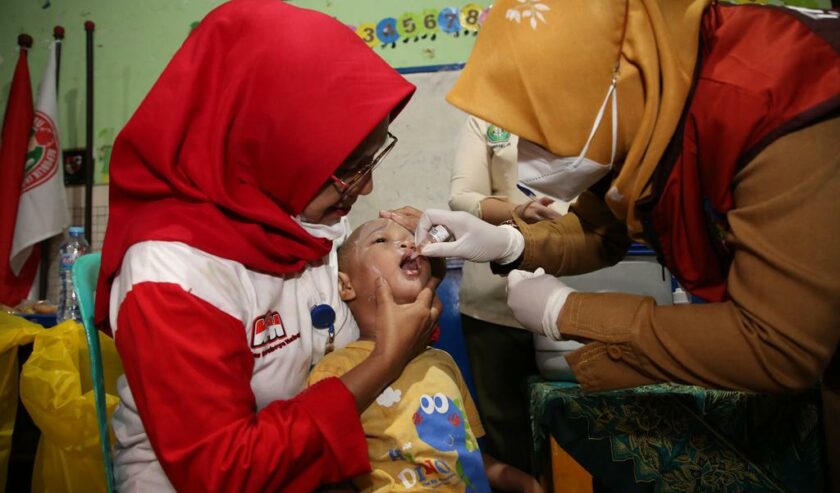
(781, 325)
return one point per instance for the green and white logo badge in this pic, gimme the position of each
(496, 135)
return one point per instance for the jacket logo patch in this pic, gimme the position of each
(266, 329)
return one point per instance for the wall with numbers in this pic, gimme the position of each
(411, 33)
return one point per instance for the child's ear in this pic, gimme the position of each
(345, 287)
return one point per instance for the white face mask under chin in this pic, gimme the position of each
(567, 177)
(334, 232)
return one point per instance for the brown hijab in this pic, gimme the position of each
(541, 69)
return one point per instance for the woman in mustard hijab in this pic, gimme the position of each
(708, 132)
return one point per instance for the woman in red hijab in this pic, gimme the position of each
(227, 186)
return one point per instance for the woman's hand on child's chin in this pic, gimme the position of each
(402, 331)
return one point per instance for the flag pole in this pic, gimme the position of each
(89, 28)
(24, 41)
(44, 269)
(58, 34)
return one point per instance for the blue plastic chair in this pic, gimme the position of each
(85, 274)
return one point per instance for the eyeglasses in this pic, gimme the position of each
(350, 183)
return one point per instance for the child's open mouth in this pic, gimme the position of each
(410, 266)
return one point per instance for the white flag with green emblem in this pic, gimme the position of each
(42, 212)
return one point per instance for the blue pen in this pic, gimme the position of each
(527, 191)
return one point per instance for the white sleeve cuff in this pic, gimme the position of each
(516, 245)
(553, 307)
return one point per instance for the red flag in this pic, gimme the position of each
(17, 125)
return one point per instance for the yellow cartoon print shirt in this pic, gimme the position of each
(421, 431)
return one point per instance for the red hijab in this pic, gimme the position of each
(259, 106)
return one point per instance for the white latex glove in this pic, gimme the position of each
(536, 299)
(475, 239)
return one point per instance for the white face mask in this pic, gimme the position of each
(566, 178)
(335, 232)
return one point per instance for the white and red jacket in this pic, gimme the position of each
(234, 346)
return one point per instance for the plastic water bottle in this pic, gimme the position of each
(73, 247)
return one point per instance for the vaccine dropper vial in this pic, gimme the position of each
(438, 234)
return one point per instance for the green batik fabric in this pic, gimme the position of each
(676, 438)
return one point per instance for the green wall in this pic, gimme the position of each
(135, 39)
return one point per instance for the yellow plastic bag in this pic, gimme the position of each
(14, 332)
(56, 388)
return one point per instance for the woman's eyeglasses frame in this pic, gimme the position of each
(348, 185)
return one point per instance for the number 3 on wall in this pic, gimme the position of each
(367, 32)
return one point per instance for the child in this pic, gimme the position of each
(421, 431)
